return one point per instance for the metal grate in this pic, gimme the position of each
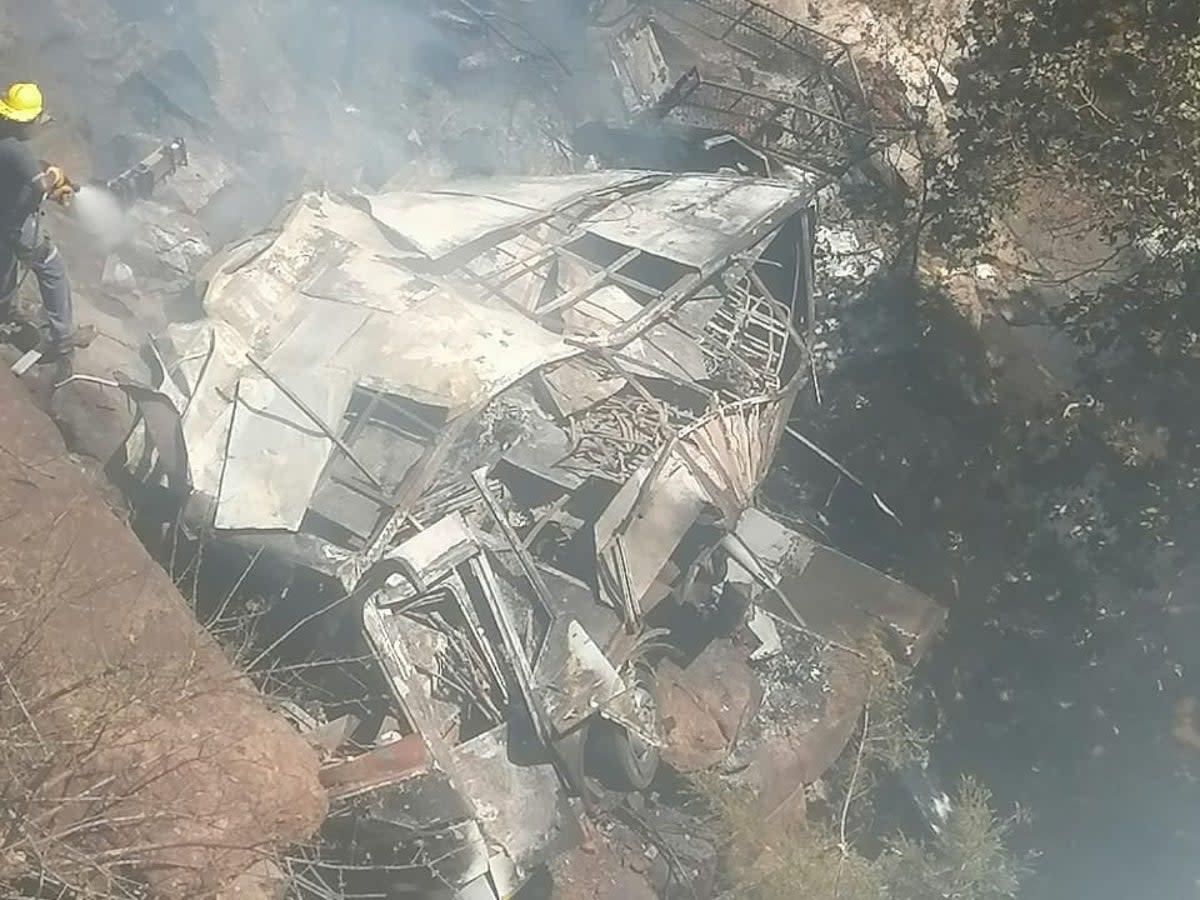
(792, 132)
(771, 39)
(812, 111)
(759, 31)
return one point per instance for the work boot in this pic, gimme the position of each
(64, 369)
(80, 337)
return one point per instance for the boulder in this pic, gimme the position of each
(703, 707)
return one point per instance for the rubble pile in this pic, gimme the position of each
(502, 434)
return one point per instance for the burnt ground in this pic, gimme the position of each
(1069, 657)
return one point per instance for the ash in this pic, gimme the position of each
(795, 685)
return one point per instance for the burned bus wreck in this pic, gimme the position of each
(520, 425)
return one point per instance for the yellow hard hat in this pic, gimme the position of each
(22, 102)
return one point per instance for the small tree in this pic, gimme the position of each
(968, 859)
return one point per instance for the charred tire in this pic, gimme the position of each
(626, 761)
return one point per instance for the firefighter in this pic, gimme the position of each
(24, 183)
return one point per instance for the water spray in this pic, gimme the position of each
(102, 210)
(100, 215)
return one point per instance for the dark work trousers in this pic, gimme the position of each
(31, 247)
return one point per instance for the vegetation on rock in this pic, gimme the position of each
(1103, 93)
(1103, 97)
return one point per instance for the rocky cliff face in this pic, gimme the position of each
(132, 751)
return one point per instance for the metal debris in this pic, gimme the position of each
(807, 442)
